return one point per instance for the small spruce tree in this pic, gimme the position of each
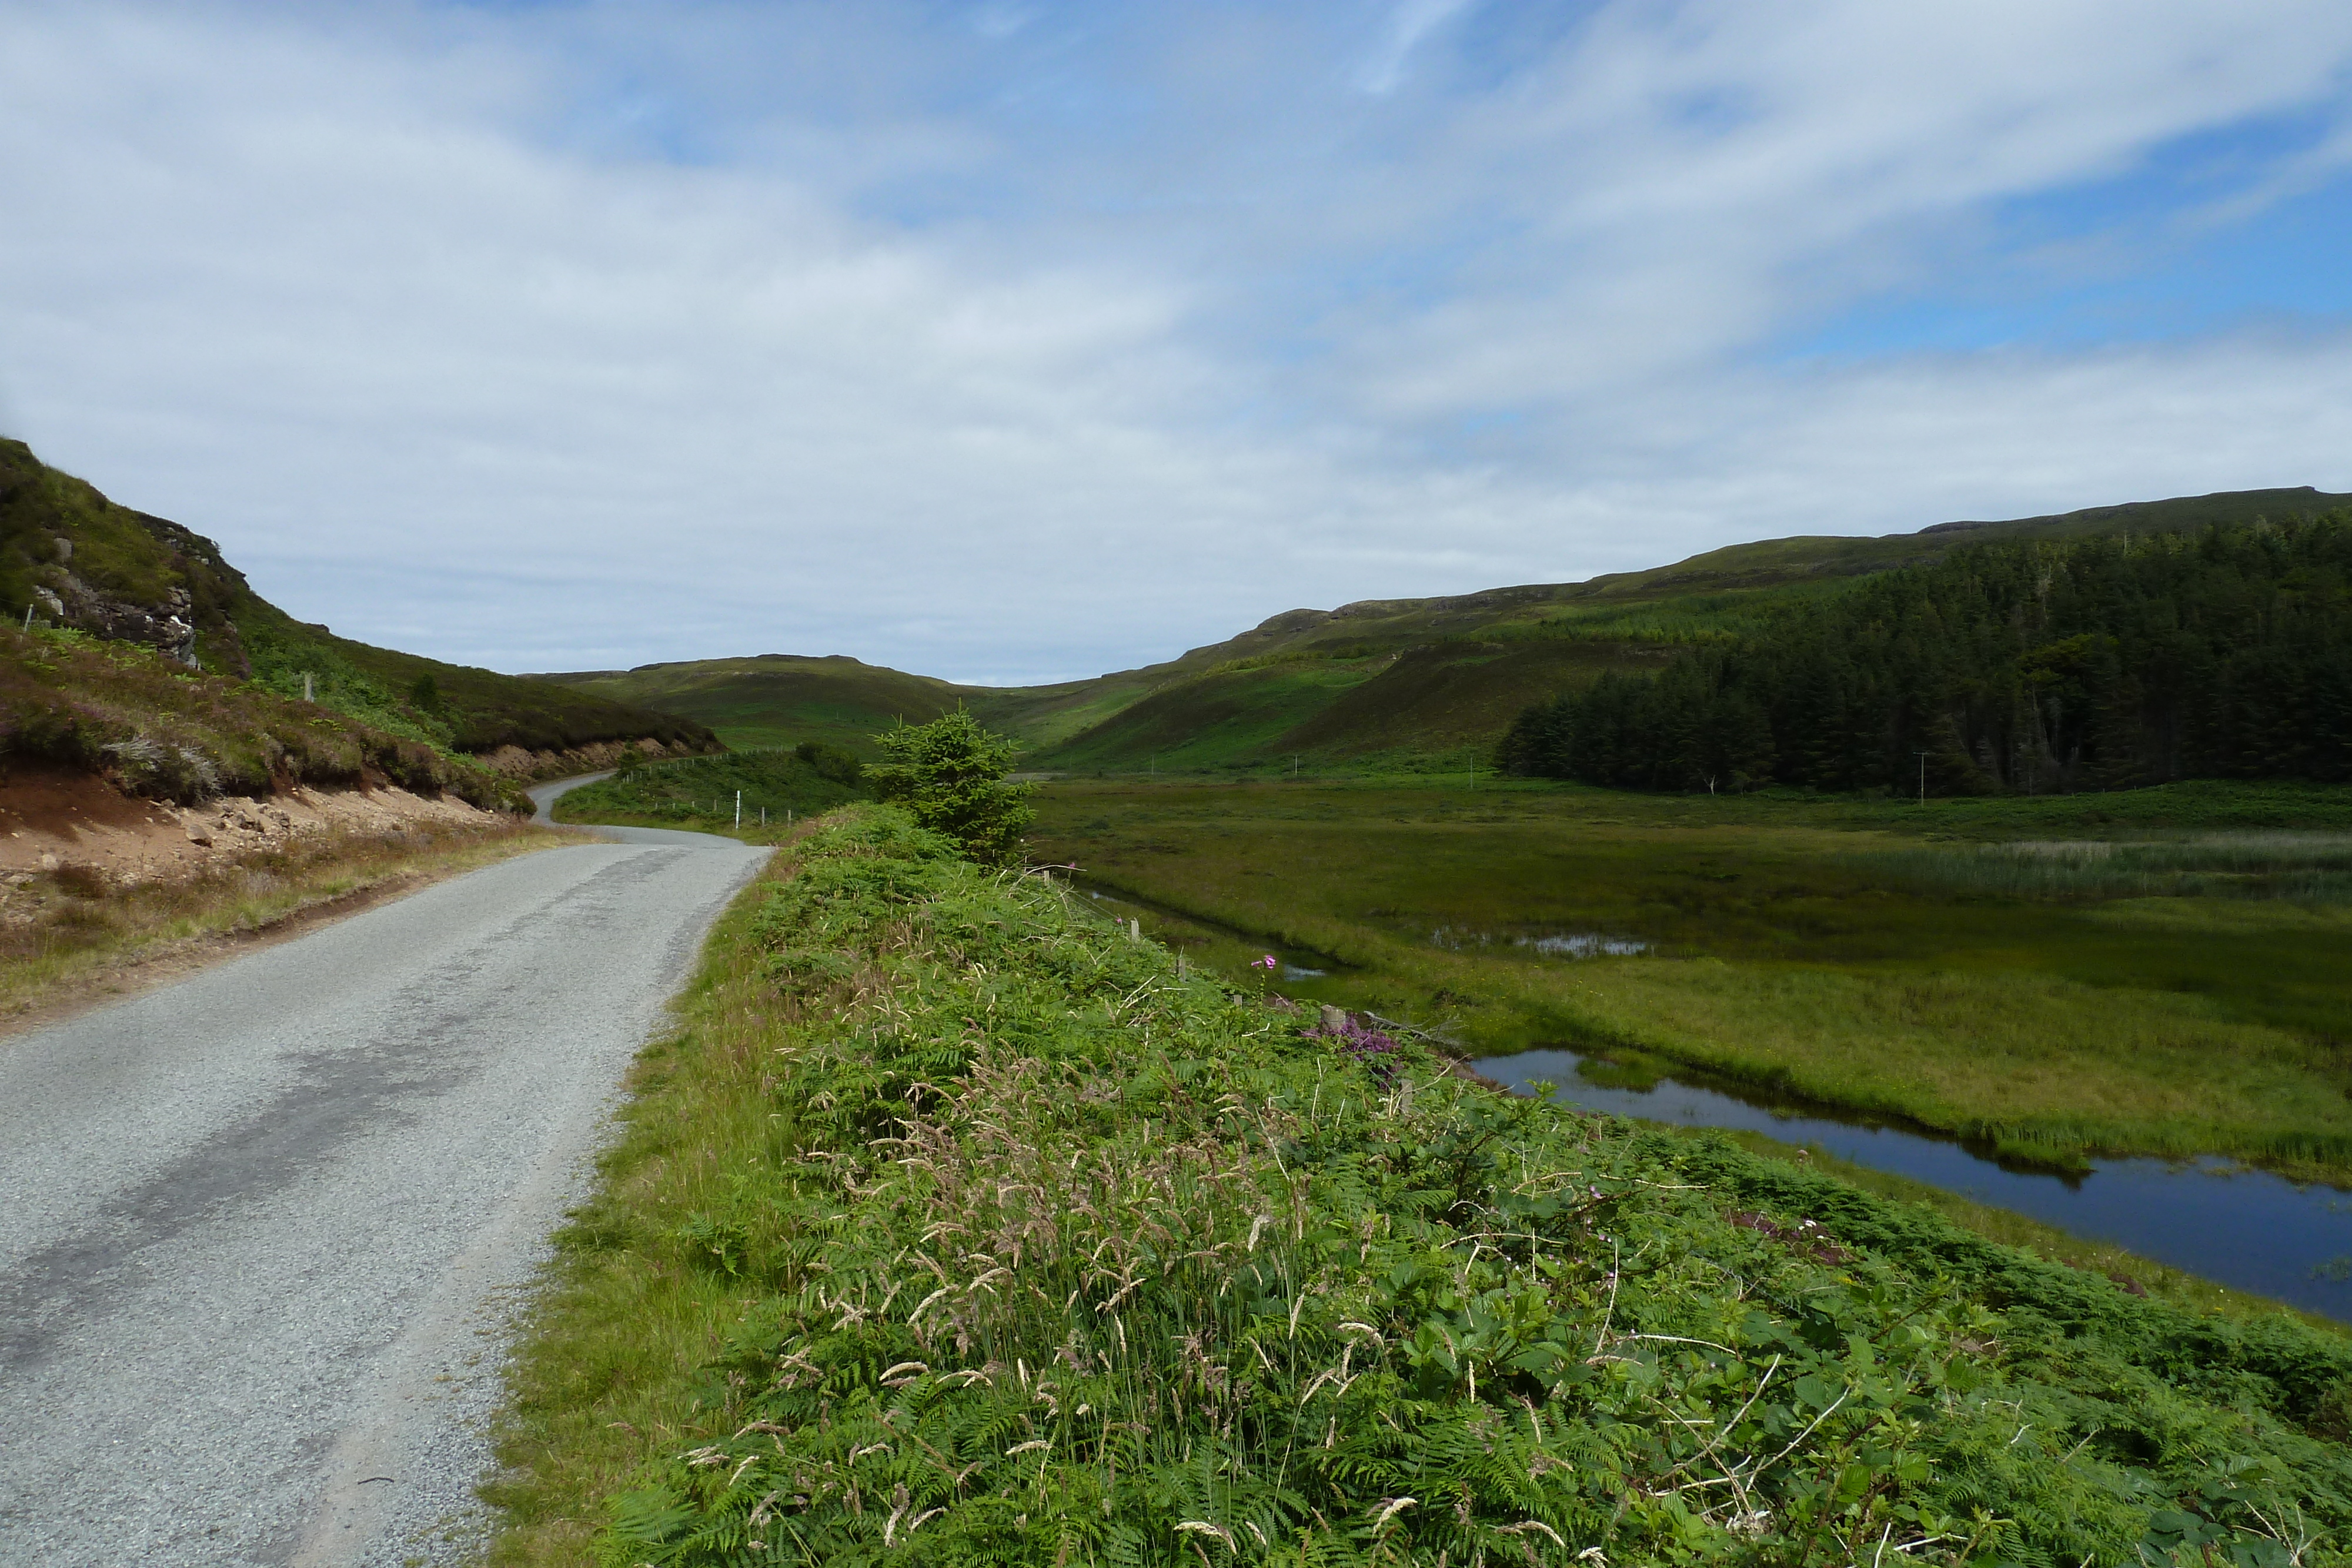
(950, 774)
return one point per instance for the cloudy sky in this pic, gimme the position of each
(1017, 342)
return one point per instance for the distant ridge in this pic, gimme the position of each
(1395, 678)
(2175, 516)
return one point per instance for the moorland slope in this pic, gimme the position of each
(75, 560)
(1402, 682)
(2022, 664)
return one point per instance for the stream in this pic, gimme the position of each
(2245, 1228)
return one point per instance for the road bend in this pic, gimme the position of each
(262, 1232)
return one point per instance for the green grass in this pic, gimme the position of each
(1817, 948)
(951, 1227)
(614, 1378)
(2307, 867)
(780, 700)
(697, 793)
(1209, 719)
(1411, 708)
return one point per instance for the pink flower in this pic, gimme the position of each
(1268, 961)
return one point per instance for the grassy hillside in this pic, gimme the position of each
(159, 729)
(700, 793)
(80, 560)
(779, 699)
(1711, 592)
(954, 1227)
(477, 710)
(2031, 665)
(1381, 683)
(1400, 706)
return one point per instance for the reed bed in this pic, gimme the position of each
(2096, 1020)
(2308, 868)
(1009, 1244)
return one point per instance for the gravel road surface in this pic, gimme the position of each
(262, 1231)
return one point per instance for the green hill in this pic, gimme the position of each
(71, 559)
(2019, 662)
(779, 699)
(1380, 683)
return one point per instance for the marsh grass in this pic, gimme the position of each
(1815, 951)
(953, 1226)
(74, 929)
(2309, 868)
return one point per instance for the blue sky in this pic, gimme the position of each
(1019, 340)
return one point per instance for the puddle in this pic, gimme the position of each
(1551, 943)
(1208, 940)
(2247, 1230)
(1583, 945)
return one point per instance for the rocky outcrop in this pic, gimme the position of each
(169, 628)
(182, 614)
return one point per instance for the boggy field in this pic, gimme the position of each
(2158, 971)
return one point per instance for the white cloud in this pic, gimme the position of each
(463, 335)
(1409, 23)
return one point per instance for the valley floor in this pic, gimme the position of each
(2157, 973)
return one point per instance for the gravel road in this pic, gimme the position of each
(262, 1231)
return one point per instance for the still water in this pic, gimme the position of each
(2248, 1229)
(1191, 932)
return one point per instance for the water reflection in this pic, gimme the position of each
(1550, 943)
(1181, 930)
(2248, 1229)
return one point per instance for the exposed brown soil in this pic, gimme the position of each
(52, 816)
(530, 766)
(96, 877)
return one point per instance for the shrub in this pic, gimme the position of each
(950, 775)
(832, 762)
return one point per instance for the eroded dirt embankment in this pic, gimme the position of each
(53, 818)
(530, 766)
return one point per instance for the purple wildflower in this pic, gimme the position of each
(1359, 1044)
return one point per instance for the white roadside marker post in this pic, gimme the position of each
(738, 810)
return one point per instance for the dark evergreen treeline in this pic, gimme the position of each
(2024, 665)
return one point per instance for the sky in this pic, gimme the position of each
(1017, 342)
